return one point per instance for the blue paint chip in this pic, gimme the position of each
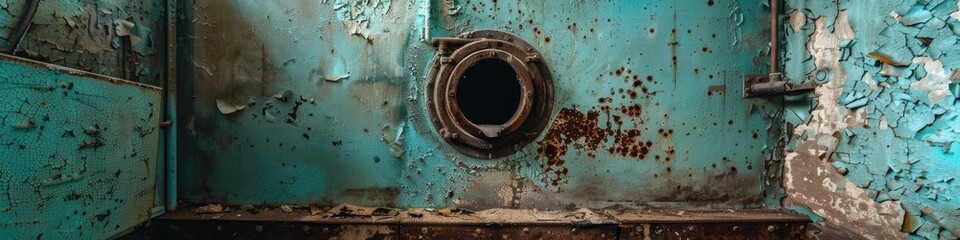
(917, 14)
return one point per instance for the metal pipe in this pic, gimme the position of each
(170, 108)
(23, 26)
(774, 36)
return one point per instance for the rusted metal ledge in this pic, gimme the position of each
(353, 222)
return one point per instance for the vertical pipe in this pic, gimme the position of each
(29, 10)
(774, 36)
(426, 20)
(170, 108)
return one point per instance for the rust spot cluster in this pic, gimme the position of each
(583, 131)
(586, 131)
(627, 144)
(570, 127)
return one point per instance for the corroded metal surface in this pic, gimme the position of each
(78, 150)
(716, 231)
(301, 99)
(354, 222)
(449, 67)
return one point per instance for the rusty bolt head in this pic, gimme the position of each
(771, 228)
(423, 230)
(639, 229)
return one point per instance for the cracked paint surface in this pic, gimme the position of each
(89, 35)
(873, 152)
(322, 102)
(79, 152)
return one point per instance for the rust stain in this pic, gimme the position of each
(582, 130)
(570, 127)
(718, 89)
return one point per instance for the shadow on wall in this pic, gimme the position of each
(877, 151)
(283, 102)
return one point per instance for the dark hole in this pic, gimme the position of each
(489, 92)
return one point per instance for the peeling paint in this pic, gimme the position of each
(357, 15)
(880, 135)
(88, 36)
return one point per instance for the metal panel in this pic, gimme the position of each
(90, 35)
(648, 109)
(78, 152)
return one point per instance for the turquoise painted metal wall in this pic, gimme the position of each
(78, 152)
(665, 77)
(881, 138)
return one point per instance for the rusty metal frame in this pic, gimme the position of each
(454, 57)
(300, 223)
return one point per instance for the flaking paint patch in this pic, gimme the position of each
(82, 35)
(935, 82)
(357, 15)
(884, 137)
(828, 118)
(818, 186)
(797, 20)
(824, 46)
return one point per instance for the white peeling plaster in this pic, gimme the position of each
(956, 15)
(847, 204)
(852, 210)
(825, 48)
(788, 167)
(797, 20)
(935, 82)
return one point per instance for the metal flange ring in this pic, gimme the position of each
(526, 97)
(455, 58)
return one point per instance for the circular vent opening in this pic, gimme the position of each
(489, 93)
